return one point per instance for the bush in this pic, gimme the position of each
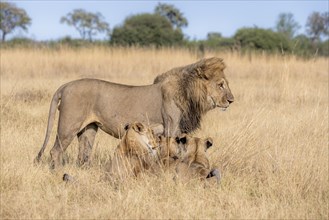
(219, 43)
(302, 46)
(146, 30)
(74, 43)
(19, 42)
(261, 39)
(324, 48)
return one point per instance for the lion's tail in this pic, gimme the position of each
(51, 118)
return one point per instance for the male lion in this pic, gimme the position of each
(175, 103)
(195, 164)
(136, 152)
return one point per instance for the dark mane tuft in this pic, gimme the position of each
(195, 96)
(191, 93)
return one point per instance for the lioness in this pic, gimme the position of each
(195, 163)
(175, 103)
(136, 152)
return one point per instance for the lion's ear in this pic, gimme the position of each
(127, 126)
(160, 137)
(183, 140)
(208, 142)
(138, 127)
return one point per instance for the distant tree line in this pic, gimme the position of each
(164, 27)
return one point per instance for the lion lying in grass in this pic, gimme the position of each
(186, 156)
(136, 152)
(139, 151)
(132, 157)
(194, 164)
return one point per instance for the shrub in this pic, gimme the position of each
(146, 30)
(261, 39)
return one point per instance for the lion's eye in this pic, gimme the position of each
(220, 85)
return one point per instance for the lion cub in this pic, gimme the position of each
(194, 163)
(135, 153)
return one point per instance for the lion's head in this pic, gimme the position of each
(197, 88)
(194, 162)
(136, 152)
(138, 139)
(218, 91)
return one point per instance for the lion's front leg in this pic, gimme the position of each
(171, 115)
(157, 128)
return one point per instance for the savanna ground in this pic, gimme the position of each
(271, 144)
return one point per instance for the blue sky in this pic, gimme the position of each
(203, 16)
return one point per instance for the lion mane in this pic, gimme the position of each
(190, 92)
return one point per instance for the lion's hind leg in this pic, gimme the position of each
(58, 149)
(56, 154)
(64, 138)
(86, 139)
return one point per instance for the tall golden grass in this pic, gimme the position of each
(271, 145)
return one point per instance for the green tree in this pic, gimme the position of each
(11, 18)
(261, 39)
(302, 46)
(173, 14)
(86, 23)
(215, 40)
(287, 25)
(324, 48)
(325, 16)
(214, 36)
(146, 30)
(317, 25)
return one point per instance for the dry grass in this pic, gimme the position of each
(271, 145)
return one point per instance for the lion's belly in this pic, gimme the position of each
(116, 105)
(114, 124)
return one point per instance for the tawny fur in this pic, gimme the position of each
(191, 85)
(169, 153)
(174, 104)
(194, 164)
(136, 153)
